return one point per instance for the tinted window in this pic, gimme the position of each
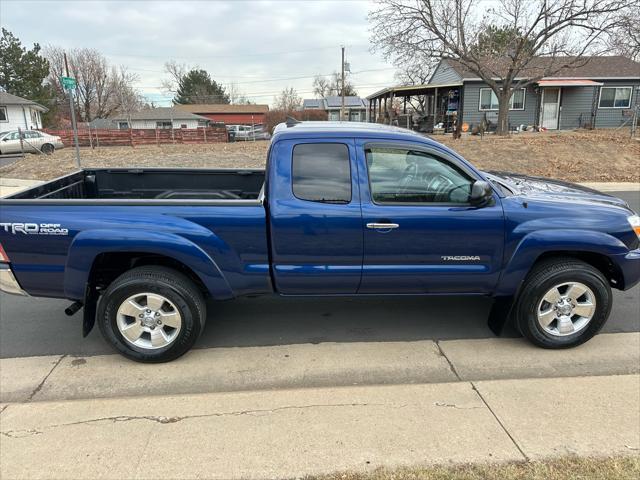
(406, 176)
(321, 172)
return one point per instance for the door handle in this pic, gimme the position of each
(382, 226)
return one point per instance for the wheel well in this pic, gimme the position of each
(598, 261)
(108, 266)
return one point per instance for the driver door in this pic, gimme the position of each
(421, 235)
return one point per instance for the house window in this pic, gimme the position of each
(615, 97)
(164, 125)
(489, 100)
(183, 125)
(123, 125)
(3, 114)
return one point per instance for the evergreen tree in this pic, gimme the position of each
(197, 86)
(23, 71)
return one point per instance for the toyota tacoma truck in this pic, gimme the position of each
(341, 209)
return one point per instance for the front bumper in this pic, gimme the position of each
(629, 265)
(8, 282)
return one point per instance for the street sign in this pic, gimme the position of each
(68, 83)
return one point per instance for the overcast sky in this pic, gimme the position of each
(259, 45)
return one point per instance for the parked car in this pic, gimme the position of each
(342, 209)
(248, 132)
(33, 141)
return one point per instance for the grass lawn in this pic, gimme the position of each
(568, 468)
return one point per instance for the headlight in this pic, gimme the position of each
(634, 221)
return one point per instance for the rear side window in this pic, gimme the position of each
(321, 172)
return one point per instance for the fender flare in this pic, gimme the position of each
(87, 245)
(530, 248)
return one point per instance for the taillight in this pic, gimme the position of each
(3, 255)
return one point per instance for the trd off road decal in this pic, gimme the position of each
(34, 228)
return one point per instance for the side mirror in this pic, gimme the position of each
(481, 193)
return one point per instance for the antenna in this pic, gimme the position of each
(292, 122)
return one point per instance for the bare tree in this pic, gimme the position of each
(236, 97)
(288, 100)
(176, 72)
(102, 89)
(324, 86)
(625, 38)
(416, 73)
(561, 31)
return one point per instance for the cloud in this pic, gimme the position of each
(258, 45)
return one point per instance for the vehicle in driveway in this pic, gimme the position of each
(33, 141)
(342, 209)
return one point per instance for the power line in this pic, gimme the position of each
(235, 55)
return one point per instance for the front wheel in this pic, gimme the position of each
(152, 314)
(564, 302)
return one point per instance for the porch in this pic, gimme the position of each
(425, 108)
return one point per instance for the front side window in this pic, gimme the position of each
(489, 100)
(615, 97)
(398, 175)
(3, 114)
(321, 172)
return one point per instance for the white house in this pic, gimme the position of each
(163, 118)
(17, 112)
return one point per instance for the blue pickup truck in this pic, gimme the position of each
(341, 209)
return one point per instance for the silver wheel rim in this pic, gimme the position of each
(149, 321)
(566, 309)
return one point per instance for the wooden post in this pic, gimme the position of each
(204, 132)
(97, 139)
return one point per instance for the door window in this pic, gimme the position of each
(400, 176)
(321, 172)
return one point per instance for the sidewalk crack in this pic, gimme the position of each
(451, 367)
(167, 420)
(504, 428)
(39, 387)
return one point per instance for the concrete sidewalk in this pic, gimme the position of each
(290, 433)
(312, 366)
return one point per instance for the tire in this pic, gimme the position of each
(47, 149)
(573, 321)
(125, 322)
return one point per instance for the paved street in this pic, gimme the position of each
(36, 326)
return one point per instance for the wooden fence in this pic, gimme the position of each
(137, 136)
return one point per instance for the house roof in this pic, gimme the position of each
(161, 113)
(222, 108)
(587, 67)
(9, 99)
(333, 101)
(349, 102)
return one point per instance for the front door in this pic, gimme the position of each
(420, 233)
(550, 108)
(315, 219)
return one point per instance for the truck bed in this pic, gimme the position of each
(153, 185)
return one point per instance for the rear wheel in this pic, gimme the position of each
(152, 314)
(47, 149)
(564, 302)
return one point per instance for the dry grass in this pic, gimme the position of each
(572, 156)
(569, 468)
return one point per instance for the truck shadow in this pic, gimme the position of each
(278, 321)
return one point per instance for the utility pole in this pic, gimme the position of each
(73, 115)
(342, 104)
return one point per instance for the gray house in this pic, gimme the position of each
(597, 92)
(355, 107)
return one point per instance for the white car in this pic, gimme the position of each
(33, 141)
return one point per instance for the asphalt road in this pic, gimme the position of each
(8, 159)
(36, 326)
